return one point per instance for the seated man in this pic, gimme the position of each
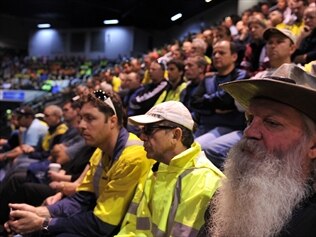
(98, 208)
(280, 45)
(269, 190)
(215, 110)
(34, 131)
(30, 154)
(175, 195)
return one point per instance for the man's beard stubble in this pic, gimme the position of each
(260, 192)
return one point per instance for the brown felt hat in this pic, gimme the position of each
(289, 85)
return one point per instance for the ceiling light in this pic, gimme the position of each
(176, 17)
(43, 26)
(208, 0)
(111, 22)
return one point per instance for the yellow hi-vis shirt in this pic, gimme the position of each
(115, 185)
(48, 138)
(173, 200)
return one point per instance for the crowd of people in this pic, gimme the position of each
(211, 136)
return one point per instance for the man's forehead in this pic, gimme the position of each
(88, 107)
(266, 104)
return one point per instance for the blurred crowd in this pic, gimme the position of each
(253, 45)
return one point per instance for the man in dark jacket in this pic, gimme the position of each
(215, 110)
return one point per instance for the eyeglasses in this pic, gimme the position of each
(101, 95)
(150, 130)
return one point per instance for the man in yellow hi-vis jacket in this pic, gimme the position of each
(101, 201)
(173, 199)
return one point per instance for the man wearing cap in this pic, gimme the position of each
(270, 185)
(33, 133)
(280, 45)
(172, 200)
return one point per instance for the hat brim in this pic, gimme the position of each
(274, 31)
(143, 119)
(296, 96)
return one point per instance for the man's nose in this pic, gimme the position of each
(253, 130)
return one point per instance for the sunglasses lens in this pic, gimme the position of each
(100, 95)
(147, 130)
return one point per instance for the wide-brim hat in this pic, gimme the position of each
(289, 85)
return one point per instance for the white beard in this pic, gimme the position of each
(260, 192)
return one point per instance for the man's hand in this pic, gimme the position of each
(61, 155)
(27, 148)
(53, 199)
(57, 176)
(23, 222)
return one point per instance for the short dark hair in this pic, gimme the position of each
(25, 111)
(104, 108)
(178, 63)
(74, 103)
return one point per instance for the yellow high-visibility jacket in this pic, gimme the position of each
(49, 137)
(171, 94)
(114, 184)
(173, 200)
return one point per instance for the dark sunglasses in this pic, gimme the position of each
(101, 95)
(149, 130)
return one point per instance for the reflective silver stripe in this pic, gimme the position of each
(143, 223)
(179, 229)
(176, 200)
(96, 177)
(133, 208)
(156, 232)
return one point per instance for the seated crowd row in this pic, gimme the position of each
(188, 121)
(160, 183)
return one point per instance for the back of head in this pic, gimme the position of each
(199, 45)
(25, 111)
(55, 110)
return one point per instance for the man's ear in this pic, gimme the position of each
(113, 121)
(312, 148)
(177, 134)
(292, 48)
(235, 56)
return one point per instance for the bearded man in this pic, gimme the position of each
(269, 190)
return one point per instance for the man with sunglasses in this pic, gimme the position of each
(101, 201)
(174, 196)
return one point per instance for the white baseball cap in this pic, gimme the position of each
(173, 111)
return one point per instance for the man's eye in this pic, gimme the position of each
(248, 120)
(272, 123)
(88, 118)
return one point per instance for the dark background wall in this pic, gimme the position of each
(109, 42)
